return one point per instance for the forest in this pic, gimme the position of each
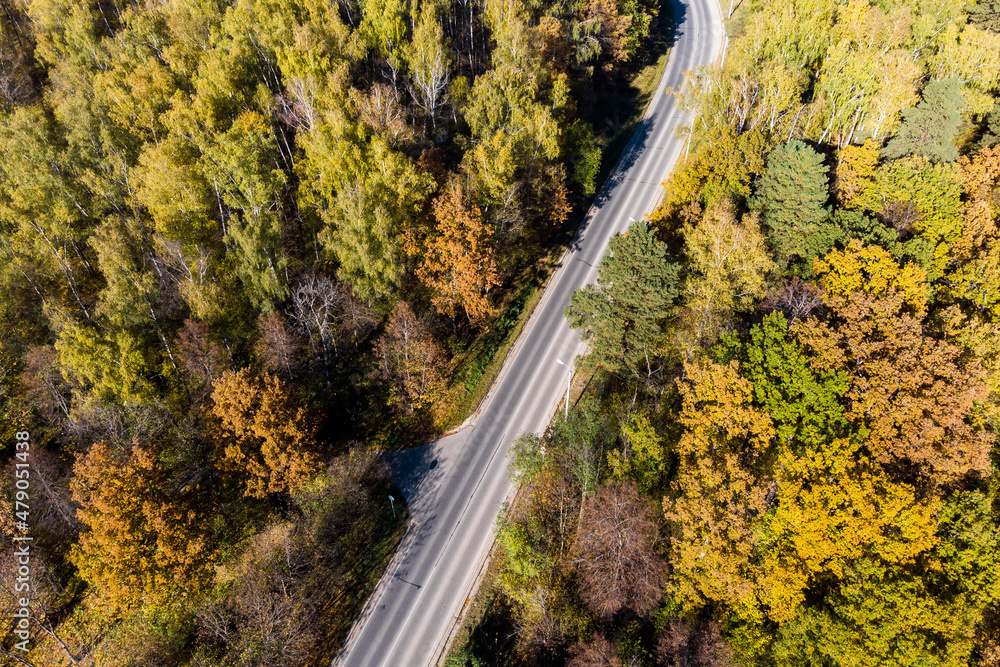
(784, 451)
(245, 244)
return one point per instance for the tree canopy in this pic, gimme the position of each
(622, 314)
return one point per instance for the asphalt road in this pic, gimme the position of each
(455, 486)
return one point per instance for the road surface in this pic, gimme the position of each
(455, 486)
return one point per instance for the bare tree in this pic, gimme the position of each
(597, 652)
(202, 359)
(95, 420)
(289, 574)
(277, 346)
(46, 390)
(381, 109)
(266, 618)
(797, 299)
(903, 216)
(44, 592)
(17, 84)
(52, 512)
(316, 304)
(407, 355)
(617, 559)
(430, 66)
(692, 644)
(357, 320)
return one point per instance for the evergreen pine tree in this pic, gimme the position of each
(791, 198)
(985, 14)
(930, 128)
(621, 315)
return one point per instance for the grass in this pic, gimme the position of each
(478, 367)
(364, 576)
(734, 24)
(627, 110)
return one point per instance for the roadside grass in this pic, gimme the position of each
(735, 23)
(477, 367)
(368, 568)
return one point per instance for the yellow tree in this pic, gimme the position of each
(141, 543)
(854, 178)
(265, 437)
(911, 392)
(872, 270)
(835, 508)
(976, 255)
(459, 264)
(722, 483)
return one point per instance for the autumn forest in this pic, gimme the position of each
(245, 244)
(248, 244)
(786, 453)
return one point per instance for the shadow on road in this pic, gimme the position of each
(668, 36)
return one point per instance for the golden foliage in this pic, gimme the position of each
(910, 392)
(719, 488)
(264, 437)
(142, 544)
(872, 270)
(459, 264)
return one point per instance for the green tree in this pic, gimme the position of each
(242, 163)
(175, 192)
(642, 457)
(583, 156)
(365, 193)
(986, 15)
(991, 127)
(383, 28)
(804, 403)
(918, 197)
(931, 128)
(792, 200)
(429, 65)
(622, 314)
(44, 210)
(113, 365)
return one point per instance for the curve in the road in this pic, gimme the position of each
(461, 481)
